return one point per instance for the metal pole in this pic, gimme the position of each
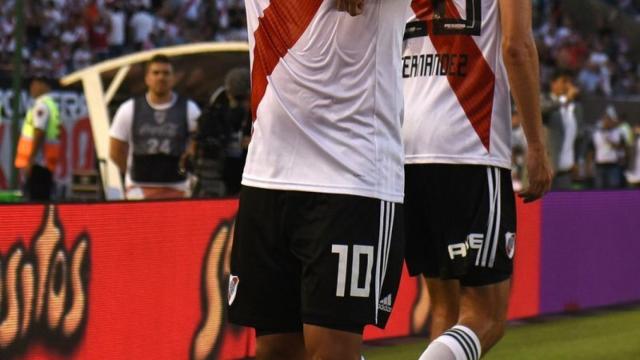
(18, 35)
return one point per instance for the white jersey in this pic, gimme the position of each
(457, 101)
(326, 101)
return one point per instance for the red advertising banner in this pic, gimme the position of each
(147, 281)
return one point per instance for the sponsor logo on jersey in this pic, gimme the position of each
(510, 244)
(473, 241)
(233, 288)
(160, 116)
(435, 65)
(386, 303)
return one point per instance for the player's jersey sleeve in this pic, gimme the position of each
(457, 102)
(326, 97)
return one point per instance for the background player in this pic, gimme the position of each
(150, 137)
(317, 252)
(459, 59)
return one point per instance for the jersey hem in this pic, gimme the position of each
(409, 160)
(326, 189)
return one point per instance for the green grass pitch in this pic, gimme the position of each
(602, 335)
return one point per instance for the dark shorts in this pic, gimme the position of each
(39, 185)
(460, 222)
(309, 258)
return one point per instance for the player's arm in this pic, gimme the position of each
(40, 121)
(118, 135)
(118, 151)
(521, 60)
(38, 140)
(193, 115)
(353, 7)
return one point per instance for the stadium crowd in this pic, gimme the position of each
(600, 60)
(66, 35)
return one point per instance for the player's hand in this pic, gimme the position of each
(353, 7)
(185, 163)
(540, 175)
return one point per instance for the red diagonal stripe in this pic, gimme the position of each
(280, 27)
(475, 91)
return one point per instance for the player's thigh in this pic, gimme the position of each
(264, 288)
(279, 346)
(351, 249)
(444, 293)
(325, 343)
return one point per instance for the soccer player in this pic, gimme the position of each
(317, 253)
(460, 58)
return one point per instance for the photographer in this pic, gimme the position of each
(224, 131)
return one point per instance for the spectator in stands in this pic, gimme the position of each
(118, 27)
(633, 175)
(142, 24)
(563, 119)
(151, 136)
(39, 145)
(608, 143)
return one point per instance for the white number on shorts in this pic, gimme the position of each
(343, 255)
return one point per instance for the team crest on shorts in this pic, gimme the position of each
(510, 244)
(233, 288)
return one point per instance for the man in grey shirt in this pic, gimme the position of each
(563, 119)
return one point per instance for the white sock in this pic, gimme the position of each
(437, 350)
(457, 343)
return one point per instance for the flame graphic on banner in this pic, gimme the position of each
(44, 290)
(216, 269)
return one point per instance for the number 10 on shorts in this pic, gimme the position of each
(358, 252)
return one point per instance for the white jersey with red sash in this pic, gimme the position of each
(326, 97)
(457, 102)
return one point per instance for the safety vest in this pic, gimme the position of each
(51, 148)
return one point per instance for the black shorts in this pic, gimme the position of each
(460, 222)
(309, 258)
(39, 185)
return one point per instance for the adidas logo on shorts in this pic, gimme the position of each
(385, 304)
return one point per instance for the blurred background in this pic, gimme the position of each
(579, 244)
(590, 47)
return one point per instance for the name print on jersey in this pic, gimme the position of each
(435, 65)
